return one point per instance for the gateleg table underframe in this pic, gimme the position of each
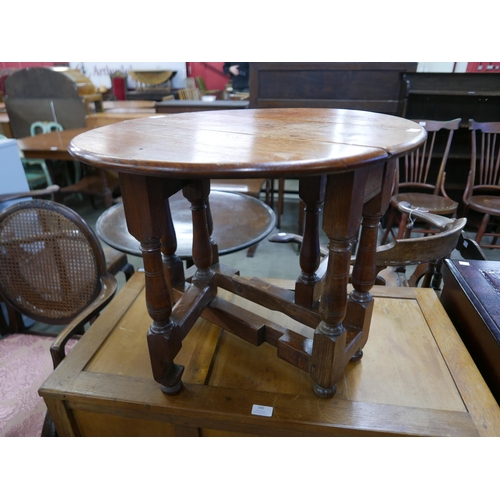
(345, 161)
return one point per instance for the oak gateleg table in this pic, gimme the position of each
(344, 159)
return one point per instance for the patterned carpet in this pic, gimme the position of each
(25, 363)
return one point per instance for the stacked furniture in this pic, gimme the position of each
(49, 94)
(446, 96)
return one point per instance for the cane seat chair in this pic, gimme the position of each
(482, 193)
(414, 183)
(116, 261)
(52, 271)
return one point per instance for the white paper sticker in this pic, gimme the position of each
(263, 411)
(462, 263)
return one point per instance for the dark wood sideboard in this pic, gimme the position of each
(379, 87)
(471, 297)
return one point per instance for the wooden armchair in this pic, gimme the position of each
(422, 252)
(52, 271)
(426, 253)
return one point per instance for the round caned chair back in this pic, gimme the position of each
(51, 261)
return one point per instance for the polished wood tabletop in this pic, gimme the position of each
(344, 160)
(248, 143)
(109, 105)
(51, 146)
(240, 221)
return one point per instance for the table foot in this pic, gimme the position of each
(172, 383)
(357, 356)
(324, 392)
(171, 391)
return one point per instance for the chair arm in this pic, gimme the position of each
(108, 290)
(436, 220)
(413, 251)
(35, 193)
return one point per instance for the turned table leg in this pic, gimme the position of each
(312, 193)
(173, 266)
(364, 274)
(196, 192)
(343, 207)
(144, 206)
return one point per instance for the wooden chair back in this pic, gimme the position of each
(484, 173)
(426, 253)
(52, 265)
(200, 83)
(415, 171)
(202, 87)
(411, 251)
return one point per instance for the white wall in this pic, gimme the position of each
(441, 67)
(98, 72)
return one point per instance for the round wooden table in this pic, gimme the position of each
(343, 157)
(240, 221)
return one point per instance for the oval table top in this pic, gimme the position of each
(239, 220)
(279, 142)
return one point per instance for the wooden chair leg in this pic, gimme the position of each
(497, 235)
(251, 251)
(438, 277)
(482, 228)
(388, 229)
(281, 201)
(269, 192)
(402, 226)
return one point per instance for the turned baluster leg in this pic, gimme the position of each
(364, 274)
(312, 193)
(197, 193)
(343, 206)
(142, 196)
(164, 342)
(174, 268)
